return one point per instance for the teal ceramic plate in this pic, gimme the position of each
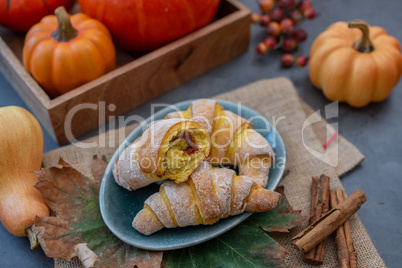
(119, 206)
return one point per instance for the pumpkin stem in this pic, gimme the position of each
(65, 30)
(33, 240)
(364, 44)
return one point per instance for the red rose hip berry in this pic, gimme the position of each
(286, 26)
(262, 49)
(286, 4)
(286, 60)
(266, 5)
(277, 14)
(264, 20)
(255, 17)
(289, 44)
(305, 4)
(296, 16)
(300, 35)
(301, 61)
(270, 42)
(273, 28)
(310, 13)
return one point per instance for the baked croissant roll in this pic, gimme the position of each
(209, 195)
(227, 139)
(168, 149)
(233, 141)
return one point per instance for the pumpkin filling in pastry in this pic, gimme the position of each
(184, 152)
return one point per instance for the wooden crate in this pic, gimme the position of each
(137, 78)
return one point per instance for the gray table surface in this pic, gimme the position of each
(376, 129)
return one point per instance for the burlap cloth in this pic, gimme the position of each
(273, 99)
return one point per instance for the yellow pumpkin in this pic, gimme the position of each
(355, 63)
(63, 52)
(21, 149)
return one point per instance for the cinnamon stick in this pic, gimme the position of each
(347, 255)
(319, 206)
(340, 239)
(329, 222)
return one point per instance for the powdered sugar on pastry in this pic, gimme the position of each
(229, 123)
(260, 199)
(252, 144)
(182, 203)
(223, 179)
(159, 207)
(126, 171)
(256, 168)
(146, 222)
(178, 114)
(204, 188)
(203, 112)
(240, 190)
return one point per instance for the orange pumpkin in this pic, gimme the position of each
(147, 25)
(20, 15)
(355, 63)
(62, 54)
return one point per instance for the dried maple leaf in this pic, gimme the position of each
(77, 229)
